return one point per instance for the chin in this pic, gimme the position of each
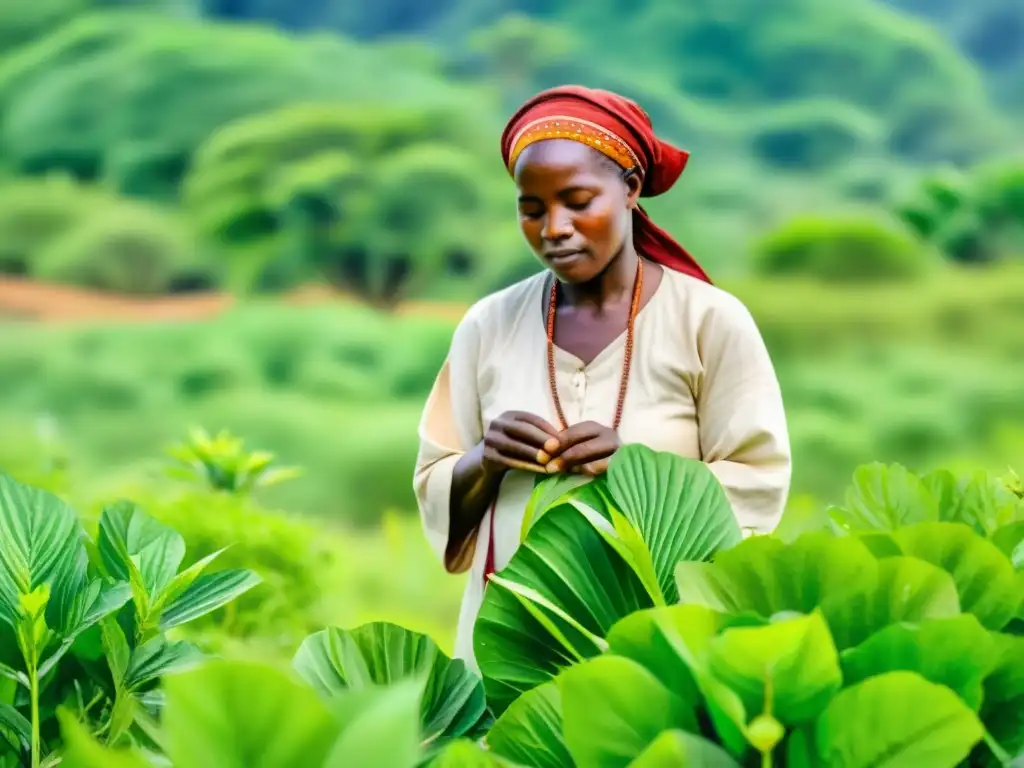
(576, 272)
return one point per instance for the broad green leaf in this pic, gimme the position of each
(895, 589)
(547, 493)
(233, 714)
(956, 652)
(380, 727)
(613, 709)
(159, 657)
(126, 532)
(570, 565)
(40, 543)
(792, 664)
(182, 581)
(886, 498)
(81, 750)
(655, 636)
(207, 593)
(468, 754)
(766, 576)
(622, 537)
(984, 578)
(677, 505)
(986, 503)
(679, 749)
(896, 720)
(1010, 541)
(530, 730)
(379, 654)
(1003, 708)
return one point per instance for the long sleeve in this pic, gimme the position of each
(450, 426)
(741, 419)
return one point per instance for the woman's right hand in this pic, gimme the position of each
(515, 440)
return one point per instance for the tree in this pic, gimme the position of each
(375, 199)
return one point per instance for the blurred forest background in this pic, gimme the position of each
(266, 216)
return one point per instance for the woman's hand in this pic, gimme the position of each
(584, 448)
(515, 440)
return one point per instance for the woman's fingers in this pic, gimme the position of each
(596, 449)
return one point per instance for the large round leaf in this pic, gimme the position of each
(857, 593)
(672, 643)
(614, 709)
(551, 606)
(1003, 707)
(680, 749)
(896, 720)
(605, 550)
(885, 498)
(529, 732)
(956, 652)
(789, 667)
(984, 577)
(377, 654)
(677, 505)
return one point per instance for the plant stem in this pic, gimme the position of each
(766, 759)
(33, 681)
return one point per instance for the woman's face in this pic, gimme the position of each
(575, 207)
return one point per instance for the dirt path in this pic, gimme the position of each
(41, 302)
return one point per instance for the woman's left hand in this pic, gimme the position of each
(583, 448)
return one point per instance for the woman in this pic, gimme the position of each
(621, 340)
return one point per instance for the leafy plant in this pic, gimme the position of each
(222, 463)
(82, 622)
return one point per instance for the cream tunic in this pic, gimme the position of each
(701, 385)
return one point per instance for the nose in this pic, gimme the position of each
(557, 225)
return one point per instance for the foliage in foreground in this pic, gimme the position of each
(635, 627)
(84, 622)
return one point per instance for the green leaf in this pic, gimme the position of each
(766, 576)
(672, 644)
(159, 657)
(792, 659)
(613, 709)
(207, 593)
(182, 581)
(380, 727)
(680, 511)
(127, 533)
(677, 505)
(1009, 539)
(984, 578)
(1003, 708)
(569, 565)
(13, 722)
(956, 652)
(115, 649)
(547, 493)
(40, 543)
(468, 754)
(679, 749)
(896, 589)
(234, 714)
(886, 498)
(81, 750)
(896, 720)
(530, 730)
(380, 654)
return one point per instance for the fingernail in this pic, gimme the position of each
(554, 466)
(551, 445)
(543, 457)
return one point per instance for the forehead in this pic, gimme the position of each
(554, 160)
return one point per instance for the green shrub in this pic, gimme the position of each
(34, 214)
(842, 250)
(84, 621)
(128, 248)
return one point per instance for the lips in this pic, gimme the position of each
(564, 255)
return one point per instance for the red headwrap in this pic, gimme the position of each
(618, 128)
